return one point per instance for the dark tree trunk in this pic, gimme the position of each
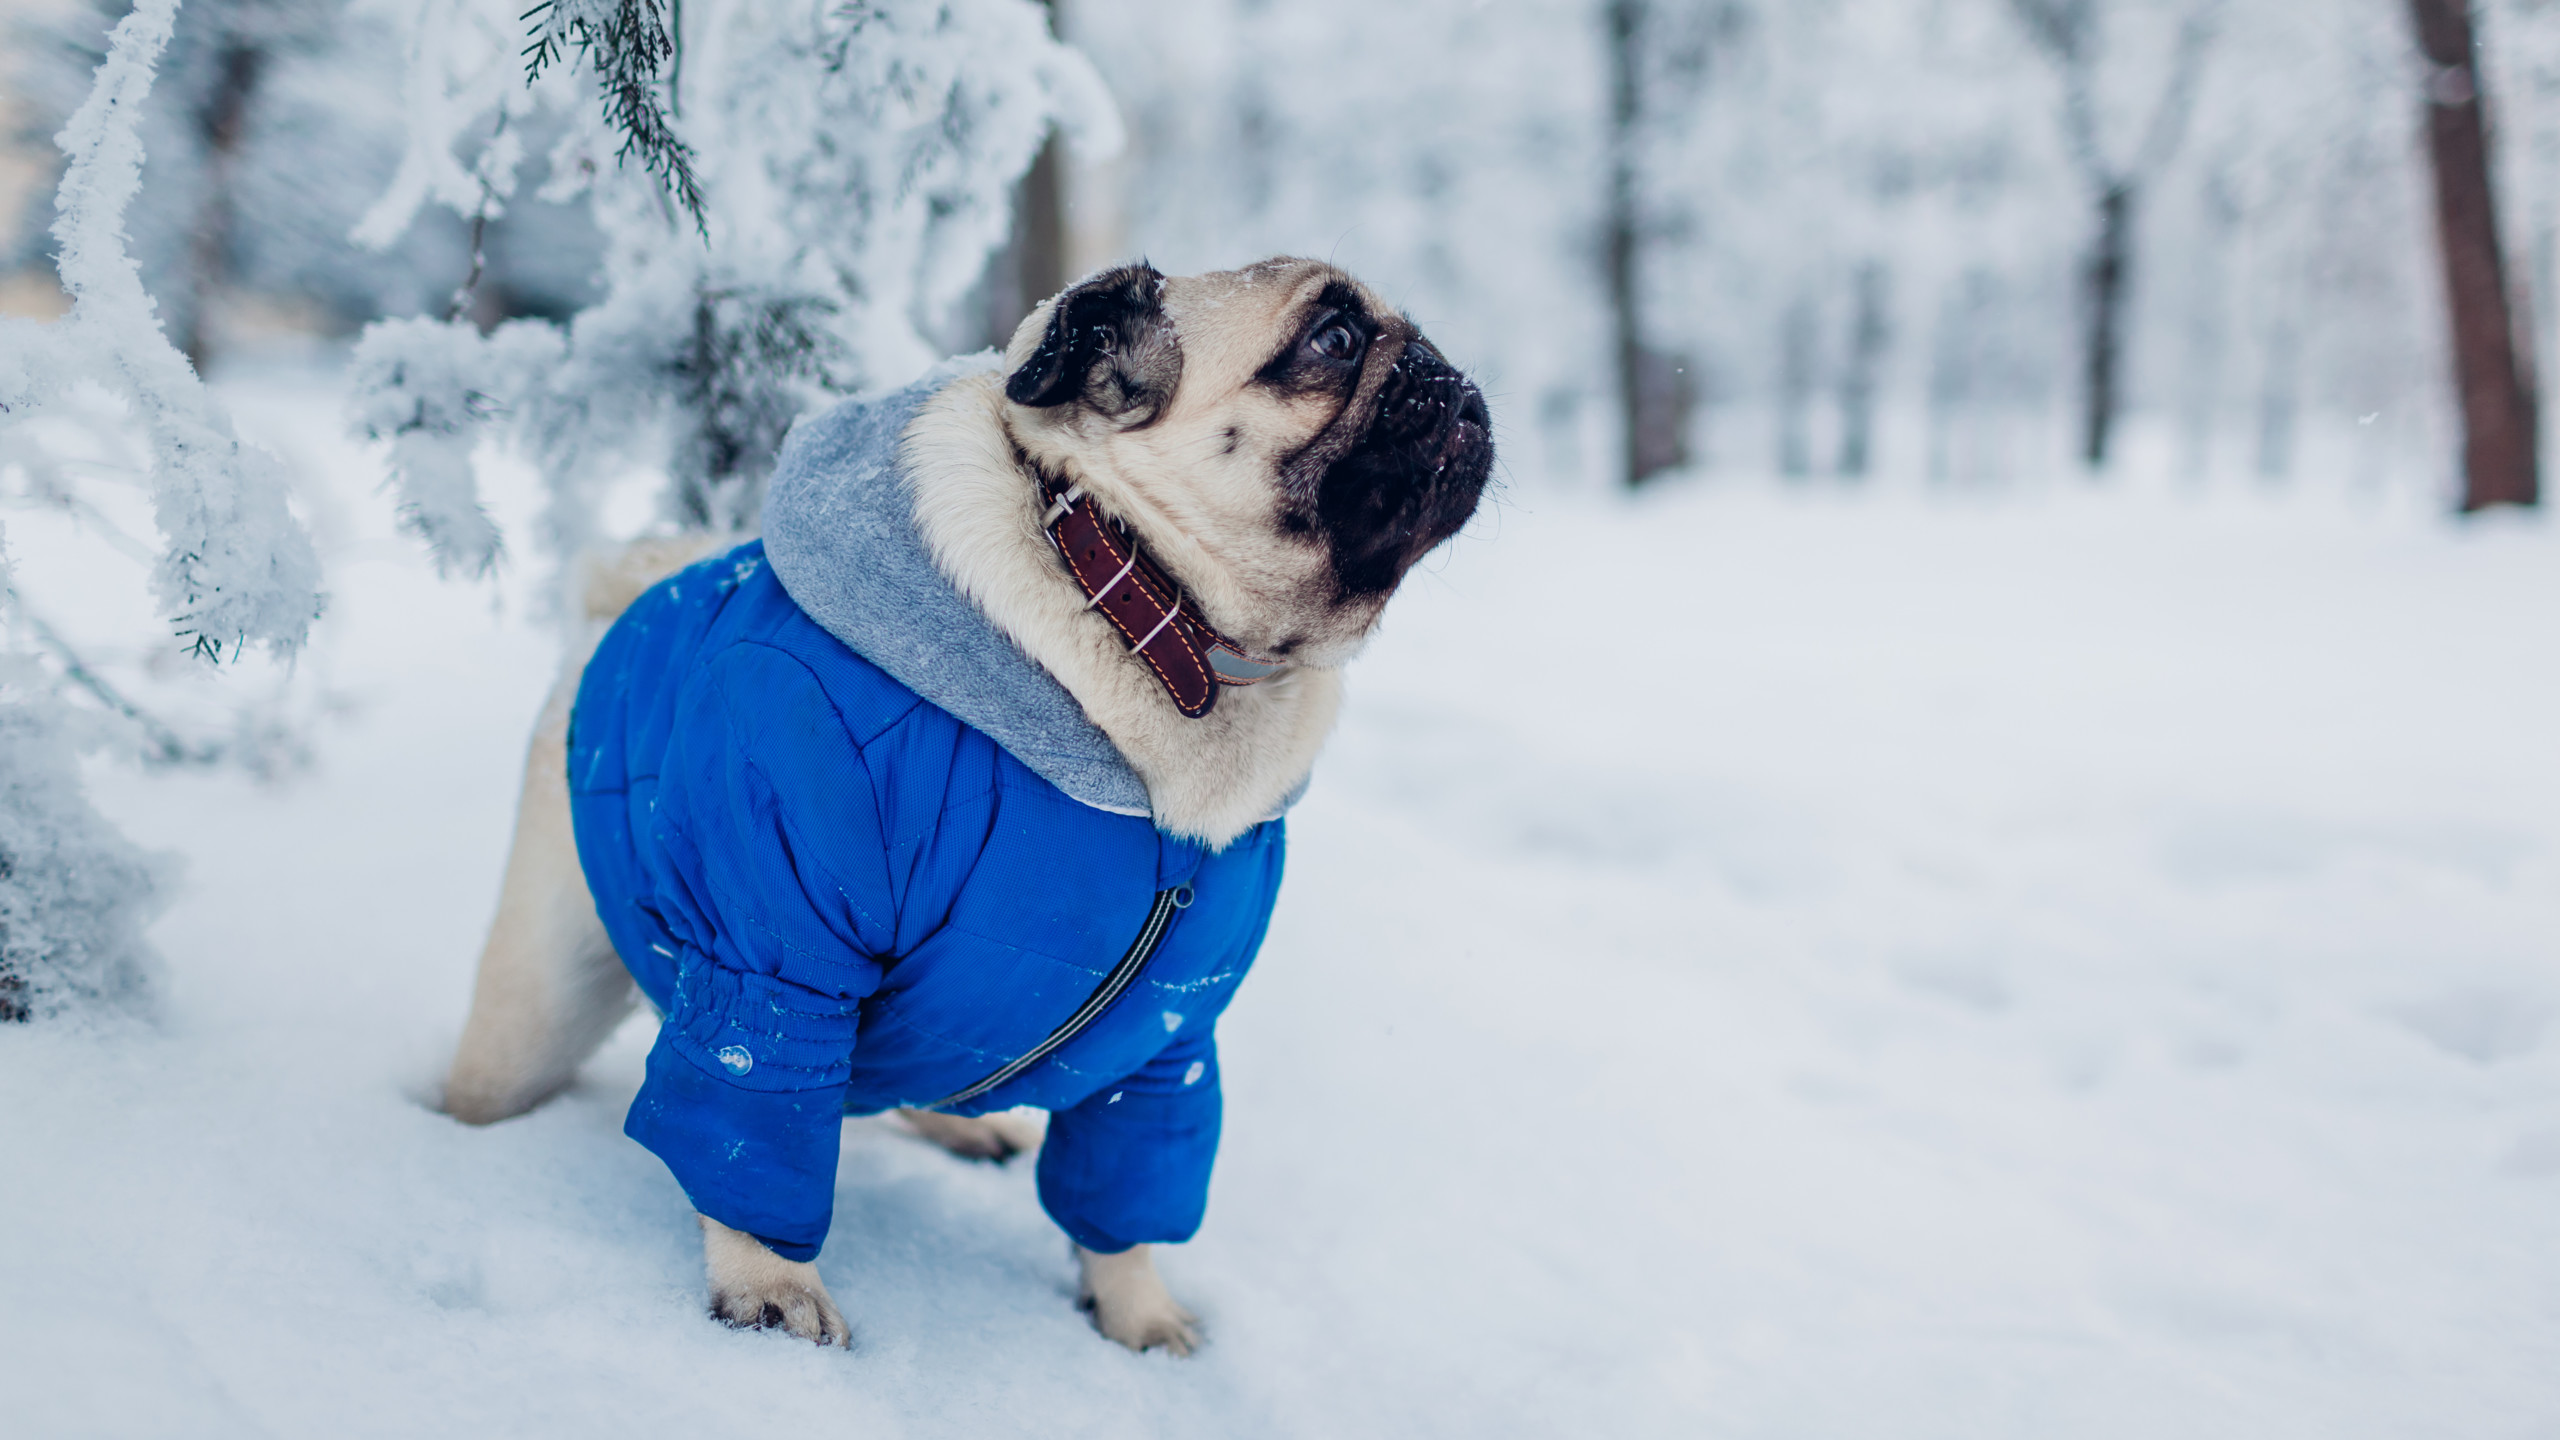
(2071, 34)
(222, 122)
(1040, 230)
(2276, 403)
(2498, 425)
(1869, 333)
(2110, 265)
(1654, 392)
(1795, 389)
(1619, 244)
(1033, 265)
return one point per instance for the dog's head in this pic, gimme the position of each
(1285, 442)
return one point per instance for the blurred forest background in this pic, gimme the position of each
(1824, 238)
(1960, 245)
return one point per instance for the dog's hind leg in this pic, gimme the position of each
(550, 987)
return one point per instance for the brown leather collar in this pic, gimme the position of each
(1133, 592)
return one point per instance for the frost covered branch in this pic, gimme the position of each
(857, 165)
(236, 567)
(74, 894)
(624, 42)
(425, 387)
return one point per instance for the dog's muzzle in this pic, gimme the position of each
(1415, 476)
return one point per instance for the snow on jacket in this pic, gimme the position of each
(844, 894)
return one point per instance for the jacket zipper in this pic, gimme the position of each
(1150, 936)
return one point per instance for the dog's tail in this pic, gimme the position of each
(609, 580)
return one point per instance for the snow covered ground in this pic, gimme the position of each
(1753, 964)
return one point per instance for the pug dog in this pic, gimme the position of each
(960, 790)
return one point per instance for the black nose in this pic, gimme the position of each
(1422, 396)
(1470, 427)
(1471, 411)
(1433, 413)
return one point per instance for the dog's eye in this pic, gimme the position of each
(1335, 341)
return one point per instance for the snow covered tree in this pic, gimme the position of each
(209, 80)
(271, 125)
(795, 204)
(236, 569)
(74, 894)
(809, 198)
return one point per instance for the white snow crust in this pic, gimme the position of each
(2074, 964)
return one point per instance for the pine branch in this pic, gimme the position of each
(625, 42)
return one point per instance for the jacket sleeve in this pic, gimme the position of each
(1130, 1166)
(779, 905)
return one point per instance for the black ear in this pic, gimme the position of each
(1109, 345)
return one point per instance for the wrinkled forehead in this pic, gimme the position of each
(1232, 321)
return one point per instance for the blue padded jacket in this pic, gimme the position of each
(844, 899)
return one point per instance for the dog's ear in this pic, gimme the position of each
(1109, 345)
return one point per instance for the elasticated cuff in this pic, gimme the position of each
(759, 1032)
(1130, 1166)
(760, 1161)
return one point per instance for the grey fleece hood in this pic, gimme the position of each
(840, 532)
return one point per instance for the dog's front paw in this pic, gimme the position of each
(754, 1289)
(1131, 1305)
